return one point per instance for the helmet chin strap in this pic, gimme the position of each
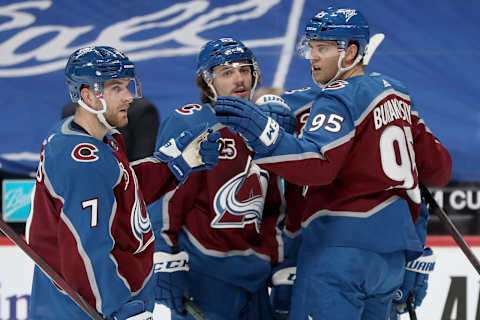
(340, 69)
(98, 113)
(210, 85)
(255, 82)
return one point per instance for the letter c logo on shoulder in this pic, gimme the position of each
(85, 152)
(189, 109)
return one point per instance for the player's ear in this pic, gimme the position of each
(87, 95)
(351, 53)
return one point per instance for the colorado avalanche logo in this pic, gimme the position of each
(335, 85)
(84, 152)
(140, 222)
(240, 200)
(189, 109)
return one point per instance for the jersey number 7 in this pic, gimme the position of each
(93, 203)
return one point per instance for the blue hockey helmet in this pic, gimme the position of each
(225, 51)
(92, 66)
(340, 24)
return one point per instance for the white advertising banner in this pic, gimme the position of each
(453, 287)
(16, 273)
(453, 291)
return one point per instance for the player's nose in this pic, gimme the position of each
(238, 76)
(128, 98)
(315, 57)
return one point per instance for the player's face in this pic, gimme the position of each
(324, 60)
(118, 98)
(233, 80)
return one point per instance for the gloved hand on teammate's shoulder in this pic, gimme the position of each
(281, 281)
(171, 283)
(132, 310)
(193, 150)
(261, 132)
(276, 108)
(415, 283)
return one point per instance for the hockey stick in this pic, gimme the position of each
(373, 44)
(65, 286)
(410, 307)
(457, 236)
(52, 274)
(191, 308)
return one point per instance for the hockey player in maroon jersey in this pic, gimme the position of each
(88, 219)
(217, 235)
(363, 152)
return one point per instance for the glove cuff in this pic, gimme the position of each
(179, 168)
(169, 151)
(167, 262)
(424, 264)
(270, 133)
(146, 315)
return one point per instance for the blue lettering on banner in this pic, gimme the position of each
(16, 199)
(17, 306)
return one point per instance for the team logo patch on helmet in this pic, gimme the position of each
(84, 152)
(349, 13)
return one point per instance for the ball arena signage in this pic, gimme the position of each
(461, 199)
